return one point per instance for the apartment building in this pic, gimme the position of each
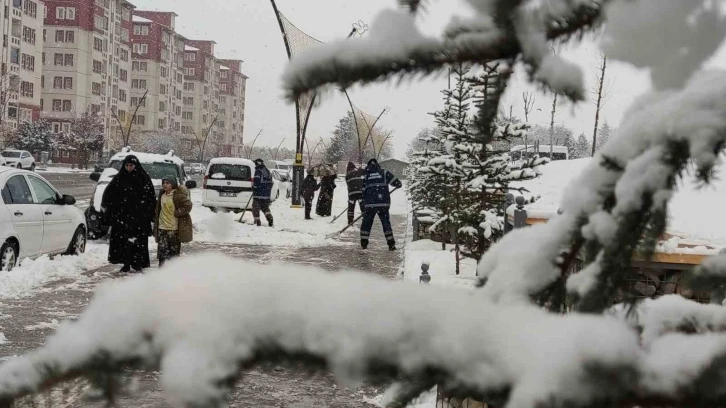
(157, 71)
(21, 61)
(201, 110)
(232, 107)
(87, 63)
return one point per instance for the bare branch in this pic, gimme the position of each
(600, 89)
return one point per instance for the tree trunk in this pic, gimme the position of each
(552, 125)
(600, 87)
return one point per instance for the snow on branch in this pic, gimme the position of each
(395, 46)
(618, 199)
(205, 317)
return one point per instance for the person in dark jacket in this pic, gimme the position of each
(307, 189)
(129, 204)
(324, 207)
(377, 200)
(354, 180)
(262, 193)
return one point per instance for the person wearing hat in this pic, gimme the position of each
(307, 190)
(128, 205)
(261, 193)
(377, 200)
(354, 178)
(173, 222)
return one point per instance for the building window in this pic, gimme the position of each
(124, 55)
(65, 13)
(29, 35)
(224, 74)
(30, 8)
(68, 60)
(28, 62)
(140, 29)
(162, 106)
(67, 107)
(15, 55)
(189, 86)
(97, 44)
(162, 123)
(122, 95)
(164, 72)
(190, 56)
(60, 36)
(26, 89)
(188, 116)
(97, 67)
(68, 83)
(124, 75)
(58, 83)
(138, 84)
(139, 120)
(96, 88)
(224, 87)
(162, 89)
(189, 71)
(141, 49)
(57, 105)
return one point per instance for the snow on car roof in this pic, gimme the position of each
(232, 160)
(149, 157)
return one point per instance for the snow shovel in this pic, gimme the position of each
(335, 234)
(339, 215)
(245, 210)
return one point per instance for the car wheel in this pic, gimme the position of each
(78, 242)
(8, 256)
(32, 167)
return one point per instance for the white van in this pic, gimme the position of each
(228, 184)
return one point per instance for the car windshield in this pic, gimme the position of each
(230, 172)
(10, 154)
(156, 171)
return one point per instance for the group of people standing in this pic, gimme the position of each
(367, 188)
(134, 212)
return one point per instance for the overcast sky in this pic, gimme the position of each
(248, 30)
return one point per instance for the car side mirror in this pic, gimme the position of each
(68, 200)
(95, 176)
(190, 184)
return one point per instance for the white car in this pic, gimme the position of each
(197, 168)
(35, 219)
(227, 184)
(284, 183)
(21, 159)
(156, 165)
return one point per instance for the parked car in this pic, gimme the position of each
(21, 159)
(157, 165)
(284, 182)
(188, 168)
(36, 219)
(227, 184)
(198, 168)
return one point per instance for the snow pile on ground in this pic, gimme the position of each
(31, 274)
(442, 265)
(350, 319)
(696, 211)
(51, 169)
(290, 228)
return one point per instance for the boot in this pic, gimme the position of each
(125, 268)
(271, 223)
(258, 223)
(391, 246)
(363, 244)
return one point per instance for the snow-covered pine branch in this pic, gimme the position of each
(617, 200)
(523, 29)
(202, 325)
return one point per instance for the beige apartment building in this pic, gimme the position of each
(158, 71)
(87, 63)
(21, 61)
(233, 85)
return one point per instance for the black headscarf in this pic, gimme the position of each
(129, 199)
(350, 167)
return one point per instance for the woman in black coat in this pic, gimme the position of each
(324, 207)
(129, 205)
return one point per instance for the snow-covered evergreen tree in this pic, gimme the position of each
(86, 136)
(35, 137)
(582, 147)
(603, 135)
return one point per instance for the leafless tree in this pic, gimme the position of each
(556, 49)
(9, 88)
(203, 137)
(248, 150)
(125, 126)
(601, 93)
(528, 98)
